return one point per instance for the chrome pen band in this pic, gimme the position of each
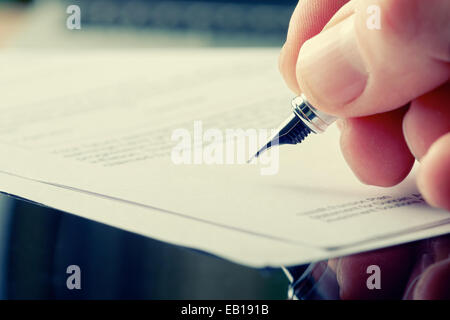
(304, 120)
(316, 120)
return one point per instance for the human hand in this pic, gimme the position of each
(389, 85)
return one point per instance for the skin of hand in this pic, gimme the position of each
(390, 88)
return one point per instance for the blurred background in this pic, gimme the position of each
(37, 243)
(156, 23)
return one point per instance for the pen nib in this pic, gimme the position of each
(263, 148)
(292, 131)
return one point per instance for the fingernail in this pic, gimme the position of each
(330, 68)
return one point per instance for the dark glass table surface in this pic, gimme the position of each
(37, 244)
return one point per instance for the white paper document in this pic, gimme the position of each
(95, 134)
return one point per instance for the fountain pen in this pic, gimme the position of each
(303, 120)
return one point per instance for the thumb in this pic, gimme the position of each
(376, 55)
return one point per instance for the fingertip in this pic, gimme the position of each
(307, 20)
(285, 62)
(375, 149)
(434, 283)
(394, 262)
(433, 179)
(427, 119)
